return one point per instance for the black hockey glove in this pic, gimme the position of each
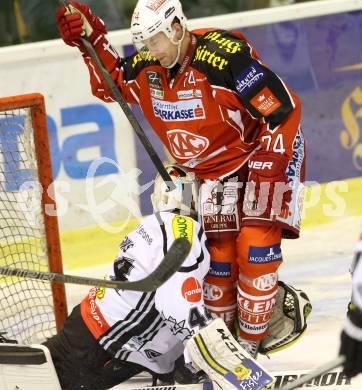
(185, 374)
(351, 343)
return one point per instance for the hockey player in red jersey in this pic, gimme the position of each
(223, 114)
(351, 338)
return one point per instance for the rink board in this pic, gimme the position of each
(308, 45)
(333, 379)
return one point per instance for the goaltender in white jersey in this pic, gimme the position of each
(113, 335)
(140, 327)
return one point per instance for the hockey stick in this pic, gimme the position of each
(196, 386)
(127, 111)
(142, 382)
(168, 266)
(129, 114)
(315, 373)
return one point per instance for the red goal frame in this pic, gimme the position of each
(35, 102)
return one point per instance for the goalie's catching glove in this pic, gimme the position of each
(351, 342)
(75, 21)
(289, 319)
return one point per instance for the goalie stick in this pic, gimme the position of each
(128, 112)
(170, 264)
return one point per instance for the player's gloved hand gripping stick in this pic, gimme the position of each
(78, 23)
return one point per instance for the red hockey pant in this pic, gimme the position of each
(243, 279)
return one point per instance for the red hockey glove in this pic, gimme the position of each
(267, 171)
(76, 20)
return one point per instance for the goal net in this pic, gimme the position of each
(30, 310)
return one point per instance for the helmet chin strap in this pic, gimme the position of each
(178, 44)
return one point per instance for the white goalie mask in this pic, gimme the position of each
(153, 16)
(184, 197)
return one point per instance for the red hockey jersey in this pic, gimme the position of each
(221, 104)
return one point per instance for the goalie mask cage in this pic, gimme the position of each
(30, 310)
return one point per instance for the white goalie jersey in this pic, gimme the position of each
(150, 328)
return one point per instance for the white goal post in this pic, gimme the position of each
(30, 311)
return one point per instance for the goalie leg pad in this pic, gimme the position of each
(215, 351)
